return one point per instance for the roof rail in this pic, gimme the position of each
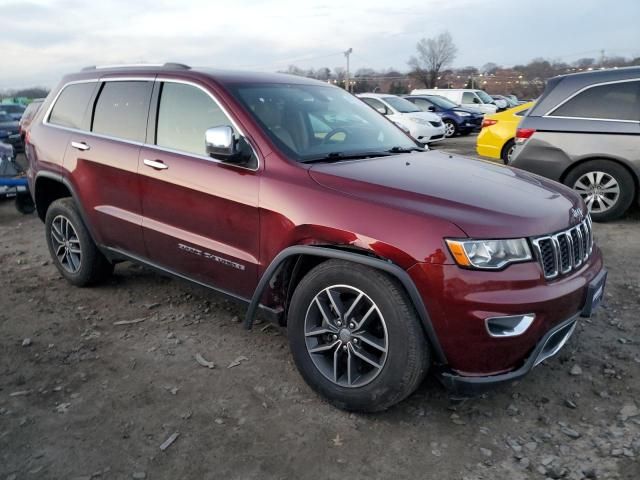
(172, 65)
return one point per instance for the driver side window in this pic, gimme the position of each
(376, 105)
(184, 114)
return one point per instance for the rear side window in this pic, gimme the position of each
(422, 103)
(375, 104)
(614, 101)
(185, 114)
(71, 105)
(122, 110)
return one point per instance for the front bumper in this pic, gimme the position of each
(548, 346)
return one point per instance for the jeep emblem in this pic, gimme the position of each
(576, 214)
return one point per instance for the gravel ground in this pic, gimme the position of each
(83, 395)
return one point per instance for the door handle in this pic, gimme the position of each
(80, 146)
(157, 164)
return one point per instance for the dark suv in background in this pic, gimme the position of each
(296, 198)
(585, 132)
(457, 120)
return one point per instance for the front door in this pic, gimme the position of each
(200, 214)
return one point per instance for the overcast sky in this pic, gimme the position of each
(41, 40)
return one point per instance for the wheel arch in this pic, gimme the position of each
(296, 260)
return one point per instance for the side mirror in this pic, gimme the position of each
(383, 110)
(220, 142)
(431, 109)
(476, 100)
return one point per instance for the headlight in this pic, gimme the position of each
(421, 121)
(489, 254)
(463, 114)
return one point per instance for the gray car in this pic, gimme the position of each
(585, 132)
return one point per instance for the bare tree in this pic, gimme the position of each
(433, 54)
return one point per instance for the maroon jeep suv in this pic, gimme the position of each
(293, 196)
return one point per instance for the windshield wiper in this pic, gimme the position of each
(406, 149)
(339, 156)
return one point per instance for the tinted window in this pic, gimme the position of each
(71, 105)
(422, 103)
(122, 109)
(185, 113)
(619, 101)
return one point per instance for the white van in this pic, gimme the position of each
(466, 97)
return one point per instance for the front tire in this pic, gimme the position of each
(450, 129)
(606, 187)
(355, 337)
(72, 249)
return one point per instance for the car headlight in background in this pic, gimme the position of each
(489, 254)
(420, 121)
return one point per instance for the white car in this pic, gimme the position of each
(466, 97)
(426, 127)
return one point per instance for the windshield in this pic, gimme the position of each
(312, 121)
(442, 102)
(401, 105)
(484, 96)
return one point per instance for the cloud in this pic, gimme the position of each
(43, 39)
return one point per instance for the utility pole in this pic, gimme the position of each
(346, 54)
(602, 58)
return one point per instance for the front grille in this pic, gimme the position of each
(563, 252)
(435, 124)
(436, 137)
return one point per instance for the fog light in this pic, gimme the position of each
(510, 326)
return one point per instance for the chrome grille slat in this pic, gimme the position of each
(565, 251)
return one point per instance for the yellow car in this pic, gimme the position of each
(496, 139)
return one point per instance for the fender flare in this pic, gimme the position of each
(386, 266)
(64, 181)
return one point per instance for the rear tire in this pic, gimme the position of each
(394, 343)
(72, 249)
(507, 151)
(606, 187)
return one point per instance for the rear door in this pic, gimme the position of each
(201, 216)
(103, 163)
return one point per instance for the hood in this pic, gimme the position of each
(472, 111)
(484, 199)
(429, 116)
(11, 126)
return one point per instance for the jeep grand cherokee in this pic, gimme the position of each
(293, 196)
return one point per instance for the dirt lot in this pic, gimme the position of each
(84, 397)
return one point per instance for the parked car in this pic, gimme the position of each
(500, 102)
(28, 115)
(514, 100)
(464, 97)
(457, 120)
(498, 134)
(13, 110)
(585, 132)
(9, 132)
(425, 127)
(7, 156)
(380, 258)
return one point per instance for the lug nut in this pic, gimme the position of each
(339, 323)
(334, 336)
(355, 340)
(352, 325)
(344, 347)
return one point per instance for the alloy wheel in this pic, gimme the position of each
(346, 336)
(510, 152)
(449, 129)
(599, 190)
(66, 244)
